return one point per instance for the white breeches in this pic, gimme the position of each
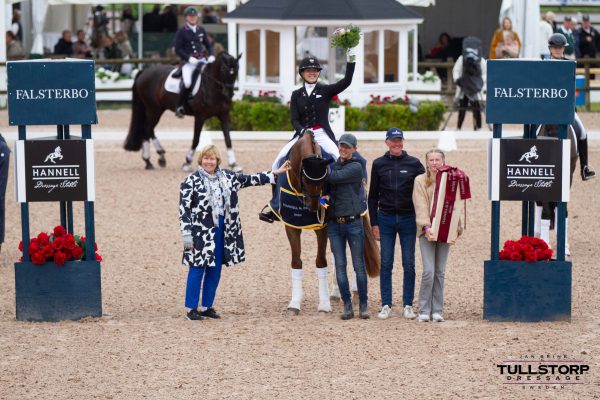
(188, 69)
(322, 140)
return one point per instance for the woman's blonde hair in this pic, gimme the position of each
(429, 180)
(210, 150)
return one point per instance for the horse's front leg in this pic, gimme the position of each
(189, 157)
(225, 125)
(293, 236)
(321, 263)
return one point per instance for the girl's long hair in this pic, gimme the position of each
(430, 179)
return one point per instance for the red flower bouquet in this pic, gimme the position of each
(528, 249)
(58, 247)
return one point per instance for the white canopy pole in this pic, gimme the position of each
(39, 8)
(231, 31)
(140, 31)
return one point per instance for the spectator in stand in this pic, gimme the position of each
(151, 20)
(566, 30)
(127, 19)
(124, 45)
(168, 19)
(589, 38)
(499, 36)
(550, 18)
(64, 45)
(14, 50)
(100, 27)
(209, 16)
(442, 44)
(16, 26)
(80, 46)
(508, 48)
(110, 51)
(545, 30)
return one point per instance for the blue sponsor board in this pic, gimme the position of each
(530, 92)
(51, 92)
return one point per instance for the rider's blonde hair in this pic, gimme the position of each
(210, 150)
(429, 180)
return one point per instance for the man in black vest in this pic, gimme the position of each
(193, 46)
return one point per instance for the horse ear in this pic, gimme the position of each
(239, 56)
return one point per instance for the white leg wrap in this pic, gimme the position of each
(296, 289)
(335, 290)
(324, 303)
(189, 157)
(157, 145)
(353, 284)
(146, 150)
(536, 221)
(230, 156)
(545, 231)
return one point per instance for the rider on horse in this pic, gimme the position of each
(309, 107)
(193, 46)
(556, 44)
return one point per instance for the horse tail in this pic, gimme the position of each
(372, 255)
(137, 126)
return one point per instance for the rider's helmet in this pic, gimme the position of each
(557, 40)
(190, 11)
(309, 62)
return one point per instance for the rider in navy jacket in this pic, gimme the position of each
(193, 46)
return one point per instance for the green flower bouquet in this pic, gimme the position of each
(346, 37)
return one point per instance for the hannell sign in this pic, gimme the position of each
(51, 92)
(54, 170)
(529, 169)
(530, 92)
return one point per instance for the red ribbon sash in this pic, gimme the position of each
(456, 180)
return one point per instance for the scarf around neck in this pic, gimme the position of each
(218, 193)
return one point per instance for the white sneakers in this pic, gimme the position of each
(437, 317)
(423, 318)
(385, 312)
(409, 313)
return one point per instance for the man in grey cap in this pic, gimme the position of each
(345, 224)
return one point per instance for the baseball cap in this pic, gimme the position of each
(568, 18)
(348, 139)
(585, 18)
(394, 133)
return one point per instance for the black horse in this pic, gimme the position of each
(150, 100)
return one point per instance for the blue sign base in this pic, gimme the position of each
(54, 293)
(527, 292)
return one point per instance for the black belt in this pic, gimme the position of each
(346, 220)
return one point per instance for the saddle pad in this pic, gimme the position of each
(172, 84)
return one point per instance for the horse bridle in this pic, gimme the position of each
(226, 88)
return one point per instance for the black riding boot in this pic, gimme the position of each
(183, 96)
(587, 172)
(266, 214)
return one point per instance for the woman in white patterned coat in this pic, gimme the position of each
(210, 226)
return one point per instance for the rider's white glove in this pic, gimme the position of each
(210, 59)
(351, 55)
(193, 60)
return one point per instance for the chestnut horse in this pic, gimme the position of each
(304, 151)
(150, 100)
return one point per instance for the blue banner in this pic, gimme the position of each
(530, 92)
(51, 92)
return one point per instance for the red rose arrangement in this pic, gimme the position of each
(57, 247)
(528, 249)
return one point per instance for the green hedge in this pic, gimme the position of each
(270, 116)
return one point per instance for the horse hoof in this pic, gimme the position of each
(186, 167)
(149, 166)
(293, 311)
(162, 162)
(235, 167)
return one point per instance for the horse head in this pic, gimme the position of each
(223, 71)
(309, 170)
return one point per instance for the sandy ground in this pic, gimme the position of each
(143, 347)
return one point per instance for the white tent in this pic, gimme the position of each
(525, 15)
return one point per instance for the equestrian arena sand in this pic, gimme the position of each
(144, 347)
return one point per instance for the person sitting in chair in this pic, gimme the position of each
(193, 46)
(309, 107)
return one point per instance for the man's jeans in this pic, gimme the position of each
(405, 226)
(352, 233)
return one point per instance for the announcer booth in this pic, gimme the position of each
(529, 169)
(56, 169)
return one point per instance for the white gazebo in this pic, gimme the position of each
(275, 34)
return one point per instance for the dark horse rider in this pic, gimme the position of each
(556, 45)
(193, 46)
(309, 107)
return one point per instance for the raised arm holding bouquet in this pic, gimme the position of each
(309, 105)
